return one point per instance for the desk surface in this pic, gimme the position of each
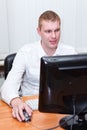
(40, 121)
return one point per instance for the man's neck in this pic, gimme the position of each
(49, 51)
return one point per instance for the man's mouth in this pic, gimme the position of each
(53, 42)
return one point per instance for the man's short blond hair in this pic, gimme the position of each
(48, 16)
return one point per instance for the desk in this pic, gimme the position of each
(39, 121)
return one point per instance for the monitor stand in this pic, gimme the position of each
(74, 123)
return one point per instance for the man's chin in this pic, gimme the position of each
(54, 46)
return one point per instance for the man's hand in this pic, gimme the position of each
(17, 109)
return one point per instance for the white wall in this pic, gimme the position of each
(69, 22)
(75, 24)
(18, 22)
(81, 25)
(4, 44)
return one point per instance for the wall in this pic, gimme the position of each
(81, 26)
(4, 44)
(19, 21)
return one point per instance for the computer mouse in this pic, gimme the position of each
(27, 117)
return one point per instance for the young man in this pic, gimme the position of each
(26, 67)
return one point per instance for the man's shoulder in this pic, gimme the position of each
(66, 46)
(62, 45)
(66, 49)
(29, 46)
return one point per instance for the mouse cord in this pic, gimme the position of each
(52, 128)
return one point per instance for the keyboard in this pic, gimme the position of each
(33, 103)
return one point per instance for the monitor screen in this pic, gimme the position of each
(63, 84)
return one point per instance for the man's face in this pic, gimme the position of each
(50, 34)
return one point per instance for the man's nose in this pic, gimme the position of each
(53, 34)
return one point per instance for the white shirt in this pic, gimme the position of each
(26, 70)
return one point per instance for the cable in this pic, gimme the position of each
(73, 117)
(44, 128)
(52, 128)
(73, 100)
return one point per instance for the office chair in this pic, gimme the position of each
(8, 63)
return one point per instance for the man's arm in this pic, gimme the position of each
(10, 87)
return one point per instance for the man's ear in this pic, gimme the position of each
(38, 31)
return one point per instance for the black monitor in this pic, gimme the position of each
(63, 88)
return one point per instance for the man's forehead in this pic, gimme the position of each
(49, 24)
(49, 21)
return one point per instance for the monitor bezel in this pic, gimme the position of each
(64, 63)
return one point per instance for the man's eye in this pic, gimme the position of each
(57, 30)
(48, 31)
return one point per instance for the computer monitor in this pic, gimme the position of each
(63, 88)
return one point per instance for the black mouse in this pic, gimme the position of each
(27, 117)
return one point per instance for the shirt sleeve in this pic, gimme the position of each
(10, 87)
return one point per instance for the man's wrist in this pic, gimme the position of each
(14, 101)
